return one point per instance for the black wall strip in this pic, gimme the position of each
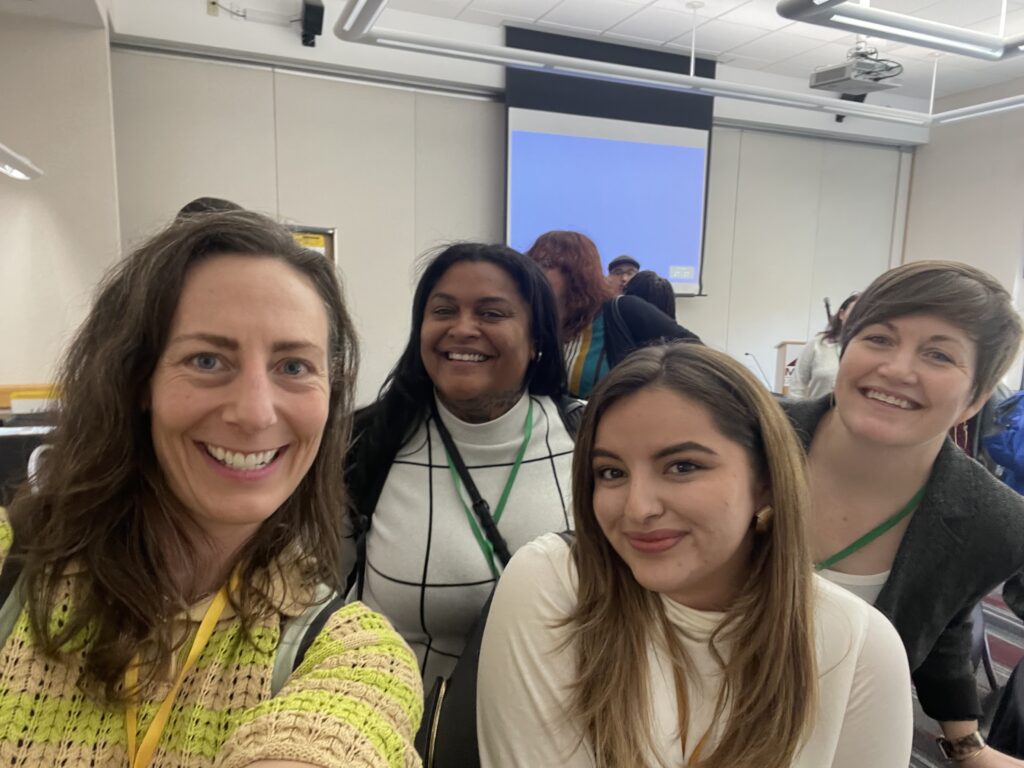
(528, 89)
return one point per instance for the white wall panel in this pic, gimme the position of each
(790, 221)
(460, 171)
(59, 232)
(773, 254)
(187, 129)
(346, 160)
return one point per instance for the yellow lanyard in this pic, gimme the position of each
(140, 757)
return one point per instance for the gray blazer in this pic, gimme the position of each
(965, 538)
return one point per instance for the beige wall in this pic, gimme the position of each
(791, 220)
(967, 192)
(395, 171)
(398, 172)
(60, 232)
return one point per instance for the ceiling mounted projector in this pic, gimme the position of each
(862, 73)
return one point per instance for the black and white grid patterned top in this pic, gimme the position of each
(424, 568)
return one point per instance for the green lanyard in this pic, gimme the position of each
(481, 540)
(873, 534)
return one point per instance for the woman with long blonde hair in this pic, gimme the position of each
(683, 625)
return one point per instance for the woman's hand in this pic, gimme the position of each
(990, 758)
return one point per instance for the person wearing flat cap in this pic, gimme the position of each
(620, 271)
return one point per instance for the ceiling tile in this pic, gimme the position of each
(490, 19)
(775, 46)
(817, 31)
(720, 36)
(656, 25)
(790, 68)
(959, 13)
(590, 15)
(1014, 23)
(827, 55)
(515, 9)
(757, 13)
(908, 7)
(447, 9)
(711, 9)
(743, 62)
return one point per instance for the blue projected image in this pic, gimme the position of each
(641, 199)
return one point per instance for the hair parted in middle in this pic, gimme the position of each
(586, 288)
(102, 506)
(407, 393)
(769, 689)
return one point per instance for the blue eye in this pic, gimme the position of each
(294, 368)
(204, 361)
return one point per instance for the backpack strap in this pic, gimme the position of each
(12, 597)
(620, 322)
(298, 633)
(570, 410)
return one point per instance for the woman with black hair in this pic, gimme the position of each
(818, 363)
(481, 384)
(654, 289)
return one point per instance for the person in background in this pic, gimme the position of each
(482, 364)
(597, 329)
(654, 289)
(818, 362)
(683, 627)
(185, 514)
(899, 515)
(621, 270)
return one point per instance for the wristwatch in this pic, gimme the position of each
(963, 748)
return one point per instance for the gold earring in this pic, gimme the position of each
(763, 518)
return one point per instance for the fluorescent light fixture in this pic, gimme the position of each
(886, 30)
(17, 167)
(352, 16)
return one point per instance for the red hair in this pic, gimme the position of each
(586, 290)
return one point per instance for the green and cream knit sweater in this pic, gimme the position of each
(356, 700)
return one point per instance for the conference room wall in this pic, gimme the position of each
(967, 194)
(790, 219)
(58, 233)
(397, 172)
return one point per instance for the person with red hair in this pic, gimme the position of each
(598, 329)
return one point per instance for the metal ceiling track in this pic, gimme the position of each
(357, 24)
(865, 20)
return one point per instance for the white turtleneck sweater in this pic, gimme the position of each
(424, 568)
(864, 716)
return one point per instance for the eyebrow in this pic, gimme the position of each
(231, 345)
(669, 450)
(936, 337)
(482, 300)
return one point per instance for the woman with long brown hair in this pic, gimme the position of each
(176, 556)
(684, 626)
(597, 328)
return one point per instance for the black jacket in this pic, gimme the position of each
(965, 538)
(631, 322)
